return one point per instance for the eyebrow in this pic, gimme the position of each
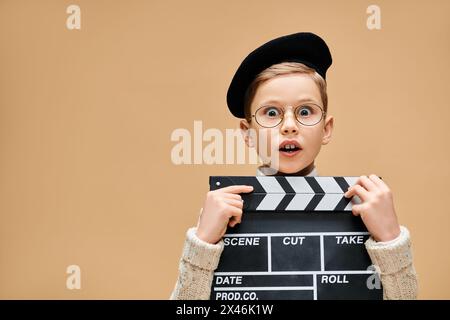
(272, 100)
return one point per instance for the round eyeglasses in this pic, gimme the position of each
(308, 114)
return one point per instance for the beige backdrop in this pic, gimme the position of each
(86, 118)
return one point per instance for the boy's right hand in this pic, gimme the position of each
(222, 208)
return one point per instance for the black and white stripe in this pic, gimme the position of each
(290, 193)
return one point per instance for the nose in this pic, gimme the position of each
(289, 124)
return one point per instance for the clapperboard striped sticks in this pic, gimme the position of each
(297, 240)
(290, 193)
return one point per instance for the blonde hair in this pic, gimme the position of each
(282, 69)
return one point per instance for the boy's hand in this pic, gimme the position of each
(377, 207)
(222, 208)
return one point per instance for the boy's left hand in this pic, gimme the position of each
(377, 207)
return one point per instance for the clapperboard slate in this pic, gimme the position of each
(298, 239)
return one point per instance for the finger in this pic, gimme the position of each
(380, 183)
(368, 184)
(237, 189)
(234, 221)
(236, 203)
(357, 209)
(232, 196)
(232, 224)
(358, 190)
(234, 211)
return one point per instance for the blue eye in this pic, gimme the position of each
(272, 112)
(304, 111)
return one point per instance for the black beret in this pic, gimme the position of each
(304, 47)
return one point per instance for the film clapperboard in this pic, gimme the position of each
(298, 239)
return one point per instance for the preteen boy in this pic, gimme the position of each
(280, 90)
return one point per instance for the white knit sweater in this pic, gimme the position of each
(199, 259)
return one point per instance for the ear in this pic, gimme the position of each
(245, 131)
(328, 129)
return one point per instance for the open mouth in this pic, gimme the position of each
(289, 147)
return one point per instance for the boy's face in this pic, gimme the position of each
(288, 91)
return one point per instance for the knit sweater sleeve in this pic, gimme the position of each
(198, 261)
(393, 259)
